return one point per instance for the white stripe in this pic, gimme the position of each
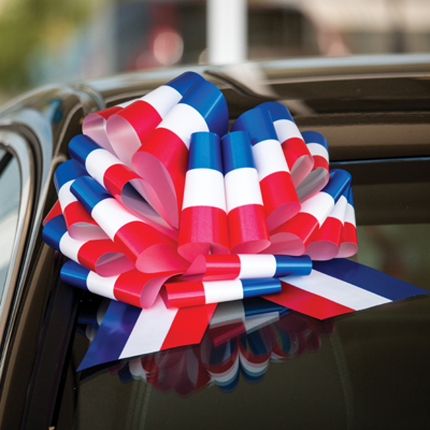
(242, 188)
(98, 161)
(223, 291)
(204, 187)
(65, 196)
(336, 290)
(150, 330)
(269, 158)
(162, 99)
(103, 286)
(70, 247)
(318, 149)
(318, 206)
(286, 129)
(110, 215)
(339, 209)
(257, 266)
(350, 214)
(183, 120)
(256, 322)
(227, 313)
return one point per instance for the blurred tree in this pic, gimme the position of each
(27, 24)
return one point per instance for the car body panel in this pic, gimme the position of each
(375, 115)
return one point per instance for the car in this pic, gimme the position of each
(366, 370)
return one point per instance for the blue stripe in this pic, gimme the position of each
(112, 335)
(338, 182)
(346, 191)
(66, 172)
(89, 192)
(297, 266)
(259, 287)
(74, 274)
(314, 137)
(80, 147)
(209, 101)
(205, 151)
(184, 82)
(368, 279)
(350, 197)
(254, 306)
(236, 151)
(277, 111)
(53, 231)
(258, 123)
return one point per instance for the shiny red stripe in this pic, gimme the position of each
(278, 189)
(307, 303)
(217, 267)
(135, 237)
(330, 231)
(172, 153)
(128, 287)
(116, 177)
(183, 294)
(90, 252)
(303, 225)
(188, 326)
(294, 148)
(349, 233)
(142, 116)
(320, 162)
(204, 224)
(76, 213)
(246, 224)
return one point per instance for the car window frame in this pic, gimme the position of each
(19, 147)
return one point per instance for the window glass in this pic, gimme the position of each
(10, 185)
(399, 250)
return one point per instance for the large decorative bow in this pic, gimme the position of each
(161, 195)
(162, 208)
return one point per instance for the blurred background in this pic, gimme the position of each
(50, 41)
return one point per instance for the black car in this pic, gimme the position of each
(363, 370)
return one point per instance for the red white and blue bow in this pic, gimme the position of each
(163, 209)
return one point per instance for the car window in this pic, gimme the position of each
(16, 197)
(10, 192)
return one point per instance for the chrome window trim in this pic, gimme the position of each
(20, 148)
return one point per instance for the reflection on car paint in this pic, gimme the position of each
(243, 338)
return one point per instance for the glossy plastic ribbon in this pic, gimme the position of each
(162, 159)
(101, 256)
(278, 192)
(79, 222)
(203, 215)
